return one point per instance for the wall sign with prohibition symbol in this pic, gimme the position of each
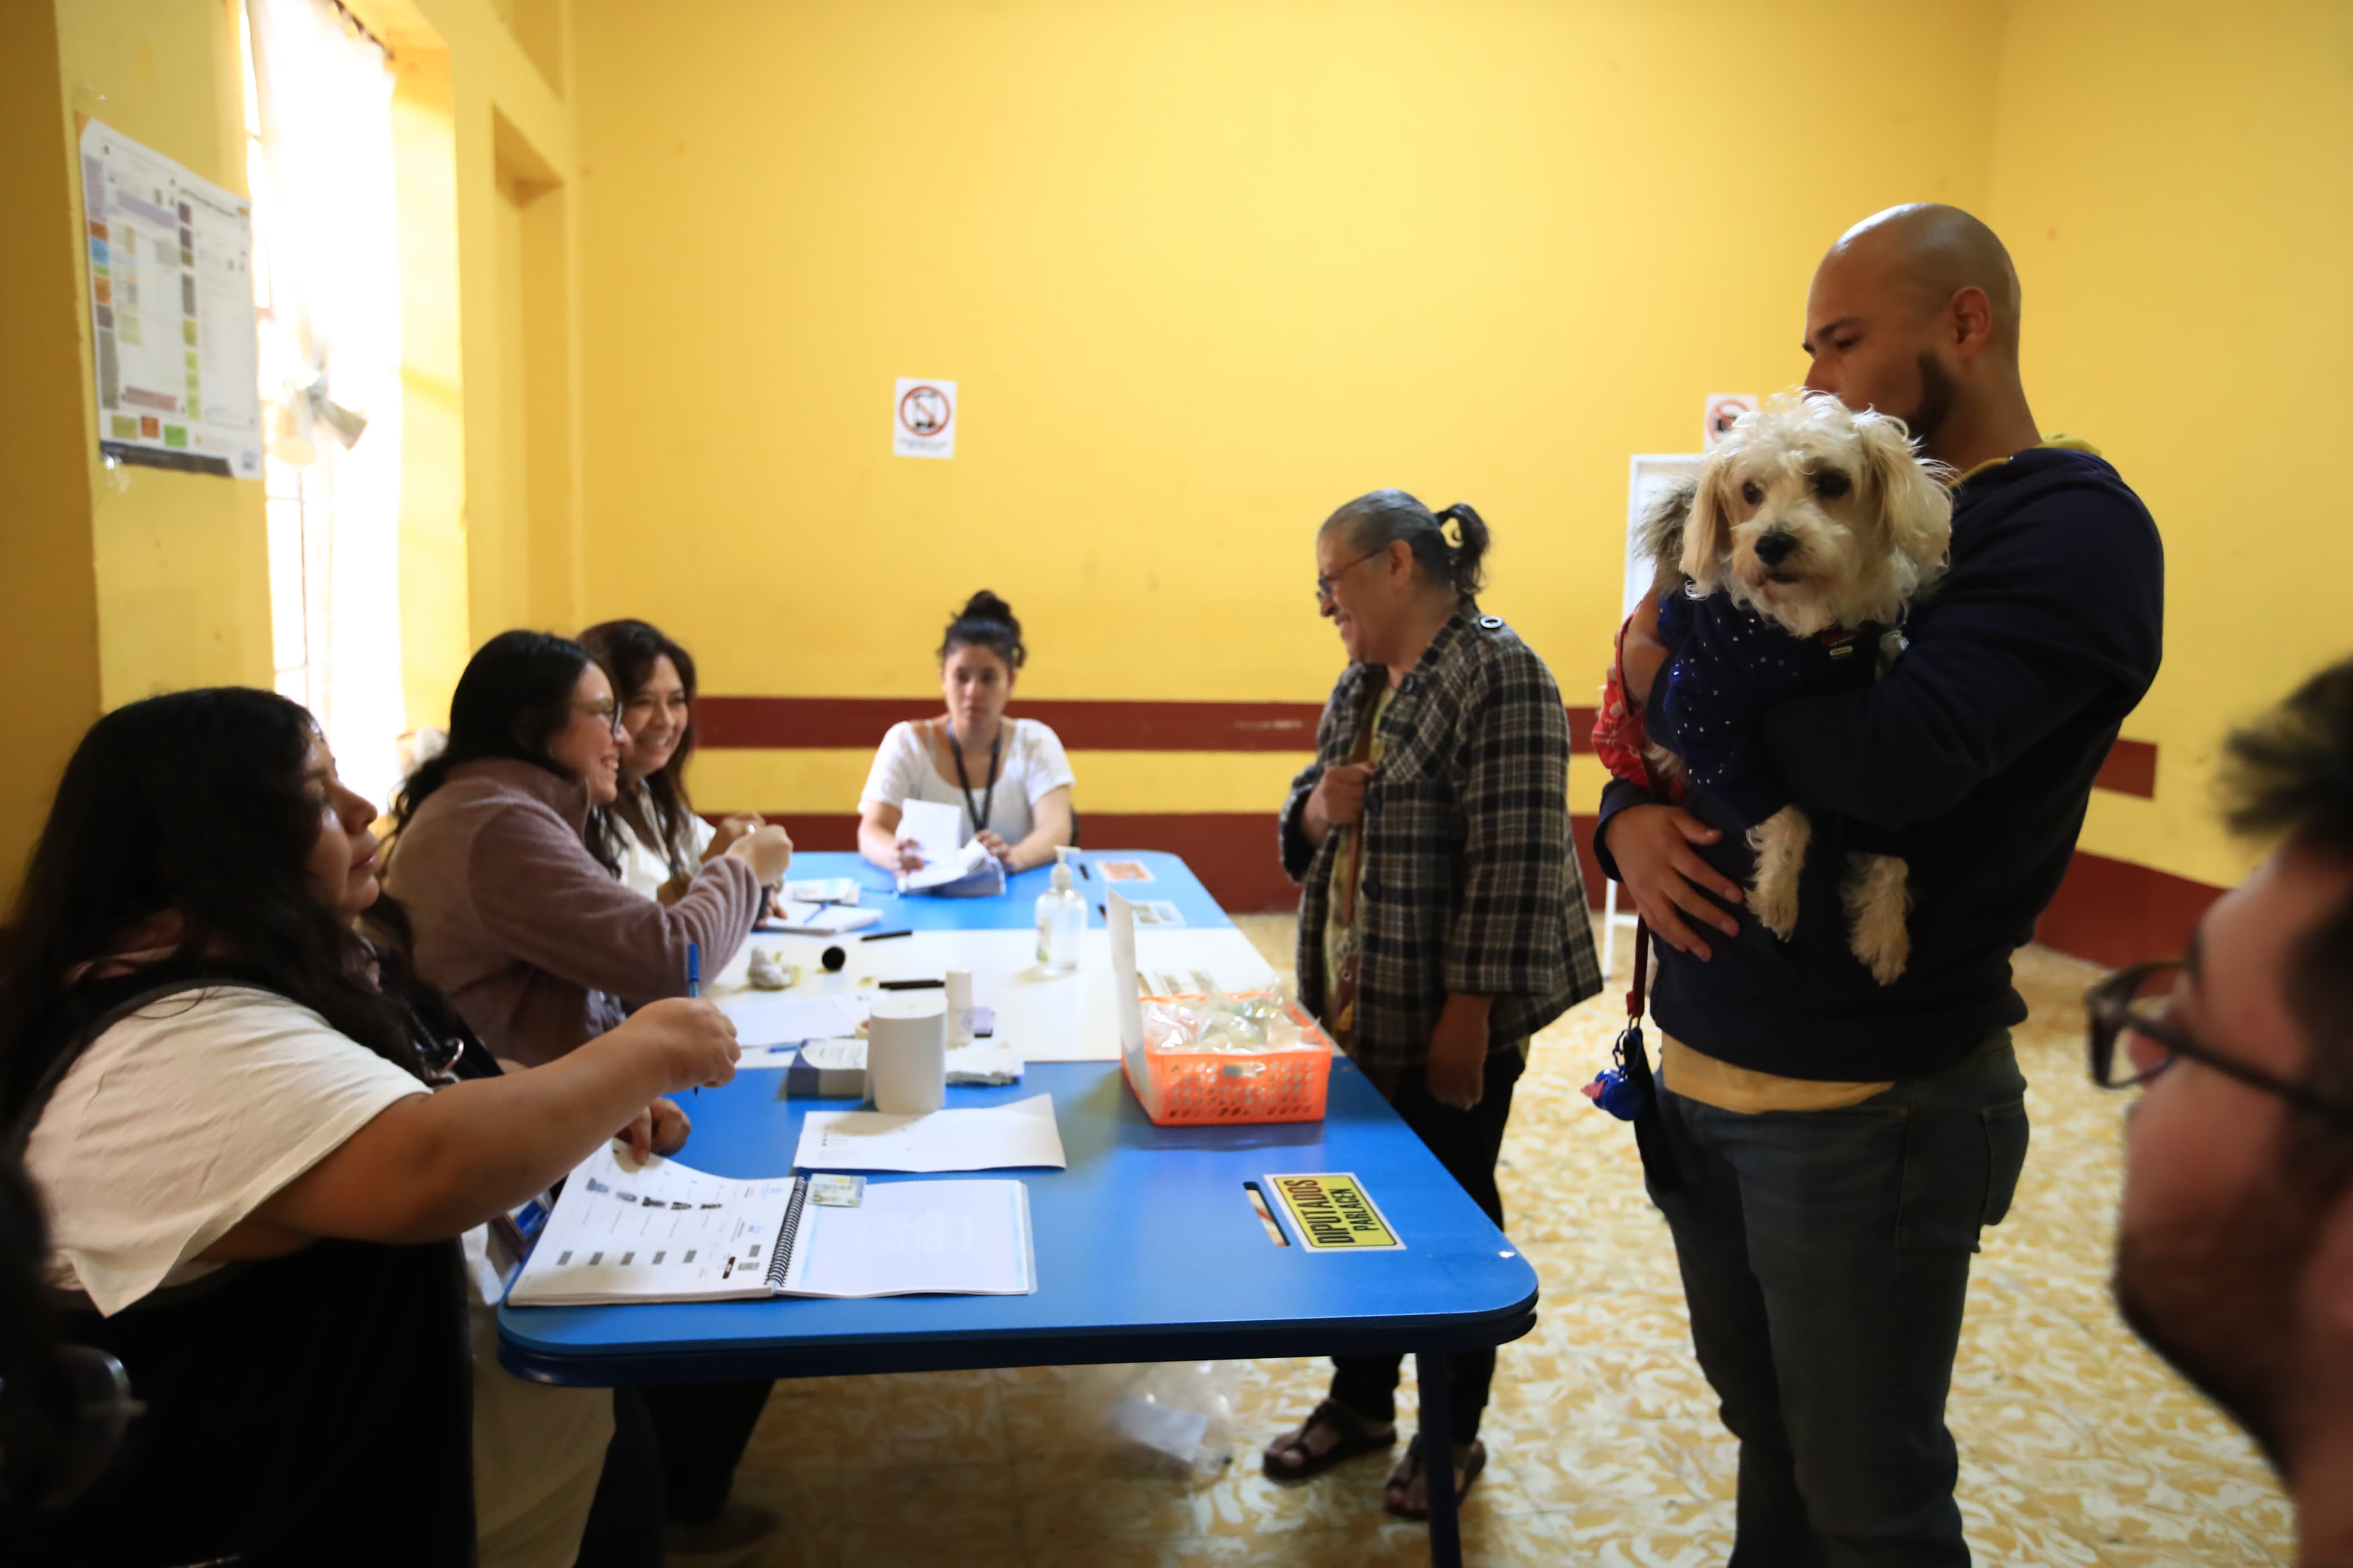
(923, 417)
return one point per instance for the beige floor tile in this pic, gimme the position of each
(931, 1513)
(2078, 1445)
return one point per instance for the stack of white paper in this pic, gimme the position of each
(822, 919)
(938, 833)
(1022, 1134)
(765, 1019)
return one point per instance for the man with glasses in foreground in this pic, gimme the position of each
(2234, 1255)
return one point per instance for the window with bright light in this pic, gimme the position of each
(317, 122)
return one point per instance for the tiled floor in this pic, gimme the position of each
(2077, 1445)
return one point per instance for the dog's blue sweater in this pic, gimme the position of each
(1730, 665)
(1980, 746)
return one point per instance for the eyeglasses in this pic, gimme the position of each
(1323, 581)
(2135, 1001)
(603, 708)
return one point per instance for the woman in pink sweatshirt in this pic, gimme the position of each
(518, 922)
(534, 937)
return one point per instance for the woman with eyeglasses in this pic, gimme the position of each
(518, 918)
(269, 1156)
(651, 829)
(1441, 916)
(522, 919)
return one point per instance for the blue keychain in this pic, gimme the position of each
(1624, 1094)
(1626, 1089)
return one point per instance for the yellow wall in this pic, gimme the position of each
(1203, 273)
(2176, 180)
(48, 584)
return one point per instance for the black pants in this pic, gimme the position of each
(624, 1522)
(704, 1428)
(1467, 1143)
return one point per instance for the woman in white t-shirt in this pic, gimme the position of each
(272, 1162)
(651, 827)
(1008, 777)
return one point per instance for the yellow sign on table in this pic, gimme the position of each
(1331, 1212)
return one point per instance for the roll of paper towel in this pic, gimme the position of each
(906, 1053)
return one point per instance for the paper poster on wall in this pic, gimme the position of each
(1650, 474)
(1722, 408)
(171, 302)
(923, 418)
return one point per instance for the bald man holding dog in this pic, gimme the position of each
(1838, 1146)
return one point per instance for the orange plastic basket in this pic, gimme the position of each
(1200, 1089)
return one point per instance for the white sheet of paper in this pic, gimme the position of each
(1022, 1134)
(824, 919)
(850, 1054)
(906, 1239)
(764, 1019)
(937, 830)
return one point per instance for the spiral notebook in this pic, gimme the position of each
(664, 1231)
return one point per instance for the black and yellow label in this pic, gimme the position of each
(1331, 1212)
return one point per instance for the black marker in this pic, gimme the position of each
(885, 935)
(1090, 875)
(912, 985)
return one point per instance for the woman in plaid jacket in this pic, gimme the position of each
(1441, 917)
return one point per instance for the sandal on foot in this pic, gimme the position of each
(1394, 1495)
(1355, 1435)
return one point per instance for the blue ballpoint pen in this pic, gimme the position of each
(694, 982)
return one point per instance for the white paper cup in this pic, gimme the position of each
(906, 1053)
(959, 995)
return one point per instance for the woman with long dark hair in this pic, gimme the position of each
(519, 919)
(260, 1148)
(651, 829)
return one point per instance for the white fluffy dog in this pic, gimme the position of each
(1824, 522)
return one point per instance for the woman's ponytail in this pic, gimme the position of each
(1466, 536)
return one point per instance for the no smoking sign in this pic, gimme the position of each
(924, 417)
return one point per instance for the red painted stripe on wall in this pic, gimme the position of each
(2110, 911)
(2130, 769)
(2114, 912)
(802, 723)
(807, 723)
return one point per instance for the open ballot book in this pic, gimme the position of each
(664, 1231)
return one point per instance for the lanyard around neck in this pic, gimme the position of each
(988, 801)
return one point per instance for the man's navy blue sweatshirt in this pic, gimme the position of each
(1982, 742)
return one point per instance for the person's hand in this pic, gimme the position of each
(1458, 1052)
(731, 829)
(996, 845)
(692, 1040)
(766, 850)
(1337, 800)
(1653, 848)
(660, 1129)
(910, 855)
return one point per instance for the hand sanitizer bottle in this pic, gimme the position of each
(1061, 917)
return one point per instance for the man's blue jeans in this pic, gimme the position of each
(1825, 1256)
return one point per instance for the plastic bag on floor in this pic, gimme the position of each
(1181, 1411)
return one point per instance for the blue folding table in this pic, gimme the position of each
(1148, 1249)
